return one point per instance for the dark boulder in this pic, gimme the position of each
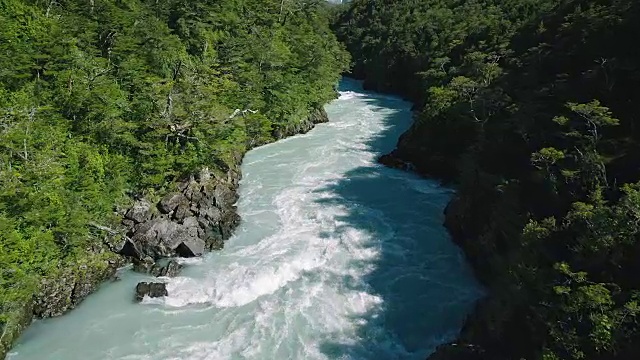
(139, 212)
(182, 211)
(393, 162)
(171, 269)
(190, 222)
(161, 237)
(130, 249)
(211, 213)
(229, 221)
(225, 196)
(152, 290)
(192, 191)
(153, 238)
(171, 201)
(144, 265)
(190, 247)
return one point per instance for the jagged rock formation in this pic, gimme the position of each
(197, 217)
(150, 289)
(148, 265)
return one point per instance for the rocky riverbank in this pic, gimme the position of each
(198, 216)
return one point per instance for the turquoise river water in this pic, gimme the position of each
(337, 257)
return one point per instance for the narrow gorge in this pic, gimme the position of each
(336, 257)
(312, 179)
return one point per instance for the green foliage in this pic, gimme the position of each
(529, 106)
(547, 156)
(101, 100)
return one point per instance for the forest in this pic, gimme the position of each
(530, 108)
(103, 101)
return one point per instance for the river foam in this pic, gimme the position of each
(337, 257)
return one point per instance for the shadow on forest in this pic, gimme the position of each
(419, 275)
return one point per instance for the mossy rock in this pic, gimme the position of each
(16, 320)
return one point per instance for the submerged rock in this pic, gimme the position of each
(144, 265)
(171, 269)
(393, 162)
(149, 266)
(151, 289)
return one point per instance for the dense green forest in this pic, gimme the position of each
(530, 107)
(104, 100)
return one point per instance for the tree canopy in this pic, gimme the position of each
(529, 107)
(102, 100)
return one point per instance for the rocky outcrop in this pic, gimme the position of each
(138, 212)
(73, 282)
(197, 217)
(416, 152)
(151, 289)
(171, 269)
(317, 116)
(149, 266)
(13, 325)
(391, 161)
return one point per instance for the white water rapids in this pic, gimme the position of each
(337, 257)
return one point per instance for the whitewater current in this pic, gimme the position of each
(337, 257)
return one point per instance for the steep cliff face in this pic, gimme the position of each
(415, 153)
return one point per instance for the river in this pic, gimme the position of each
(337, 257)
